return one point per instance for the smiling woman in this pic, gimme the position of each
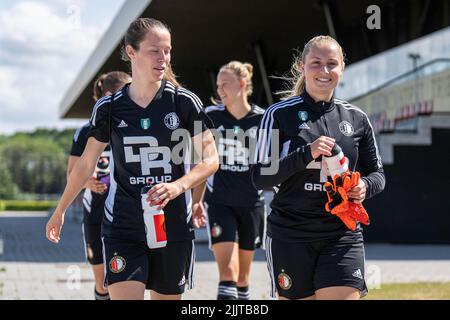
(312, 253)
(322, 72)
(235, 209)
(138, 122)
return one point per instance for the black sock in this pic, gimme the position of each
(101, 296)
(227, 291)
(243, 293)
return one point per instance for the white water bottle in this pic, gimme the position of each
(337, 163)
(155, 229)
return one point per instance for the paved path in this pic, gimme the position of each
(33, 268)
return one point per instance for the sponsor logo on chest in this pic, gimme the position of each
(145, 123)
(303, 116)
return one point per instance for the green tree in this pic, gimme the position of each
(37, 165)
(35, 161)
(8, 189)
(63, 138)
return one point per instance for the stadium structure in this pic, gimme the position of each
(398, 72)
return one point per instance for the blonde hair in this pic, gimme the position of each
(135, 35)
(297, 78)
(243, 71)
(111, 82)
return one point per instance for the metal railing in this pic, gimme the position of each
(407, 76)
(381, 103)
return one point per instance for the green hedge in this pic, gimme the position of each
(25, 205)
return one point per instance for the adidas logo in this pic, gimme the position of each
(304, 126)
(122, 124)
(182, 281)
(221, 128)
(357, 274)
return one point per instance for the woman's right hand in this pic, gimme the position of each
(322, 146)
(96, 186)
(54, 226)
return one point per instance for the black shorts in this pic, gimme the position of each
(244, 225)
(93, 243)
(298, 269)
(164, 270)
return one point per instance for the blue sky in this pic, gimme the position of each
(43, 46)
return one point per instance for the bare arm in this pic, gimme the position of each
(70, 164)
(205, 147)
(81, 172)
(199, 192)
(92, 183)
(198, 209)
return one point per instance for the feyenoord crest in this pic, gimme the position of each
(172, 121)
(346, 128)
(216, 231)
(117, 264)
(145, 123)
(303, 115)
(284, 281)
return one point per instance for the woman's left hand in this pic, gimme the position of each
(198, 215)
(160, 194)
(358, 193)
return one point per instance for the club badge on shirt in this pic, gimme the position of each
(346, 128)
(172, 121)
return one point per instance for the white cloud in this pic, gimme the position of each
(67, 3)
(41, 52)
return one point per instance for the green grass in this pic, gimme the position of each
(411, 291)
(26, 205)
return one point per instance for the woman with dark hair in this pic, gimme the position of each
(147, 231)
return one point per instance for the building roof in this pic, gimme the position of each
(207, 34)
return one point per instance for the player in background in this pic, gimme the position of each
(235, 209)
(96, 188)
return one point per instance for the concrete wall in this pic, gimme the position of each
(434, 88)
(415, 205)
